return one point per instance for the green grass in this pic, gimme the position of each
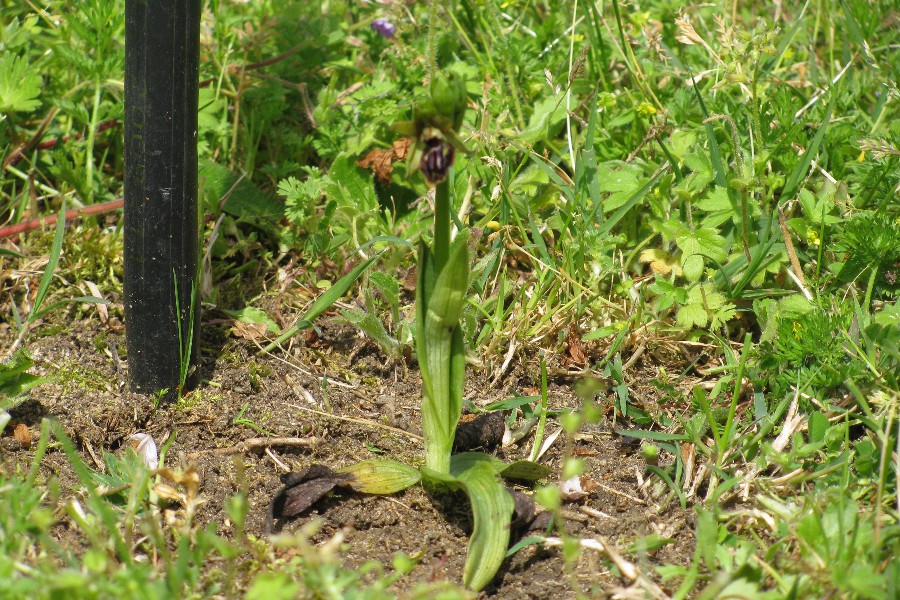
(754, 215)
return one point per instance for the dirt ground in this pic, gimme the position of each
(313, 393)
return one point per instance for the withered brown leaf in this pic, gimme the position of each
(381, 162)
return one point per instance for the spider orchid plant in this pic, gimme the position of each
(443, 281)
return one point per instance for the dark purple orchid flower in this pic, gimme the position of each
(384, 28)
(437, 158)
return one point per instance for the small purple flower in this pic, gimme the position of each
(384, 28)
(437, 158)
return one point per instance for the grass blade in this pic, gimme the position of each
(802, 167)
(323, 302)
(50, 269)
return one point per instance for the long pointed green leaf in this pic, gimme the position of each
(78, 300)
(444, 355)
(424, 287)
(802, 166)
(457, 381)
(715, 154)
(492, 509)
(50, 269)
(324, 301)
(785, 42)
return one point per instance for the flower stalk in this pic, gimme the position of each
(443, 275)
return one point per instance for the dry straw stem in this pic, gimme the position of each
(262, 442)
(365, 422)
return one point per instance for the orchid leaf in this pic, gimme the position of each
(381, 476)
(525, 470)
(492, 509)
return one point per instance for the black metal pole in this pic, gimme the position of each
(162, 46)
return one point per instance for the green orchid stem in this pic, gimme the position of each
(441, 224)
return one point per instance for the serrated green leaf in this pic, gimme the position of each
(622, 180)
(372, 327)
(381, 476)
(715, 200)
(20, 84)
(242, 197)
(681, 141)
(691, 315)
(388, 286)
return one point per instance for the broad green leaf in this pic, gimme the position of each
(818, 208)
(692, 267)
(433, 479)
(273, 585)
(547, 116)
(492, 509)
(424, 287)
(817, 426)
(702, 170)
(636, 197)
(462, 462)
(715, 200)
(706, 242)
(681, 141)
(381, 476)
(525, 470)
(449, 294)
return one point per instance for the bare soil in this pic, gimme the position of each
(348, 404)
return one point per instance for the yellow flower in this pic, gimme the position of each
(646, 109)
